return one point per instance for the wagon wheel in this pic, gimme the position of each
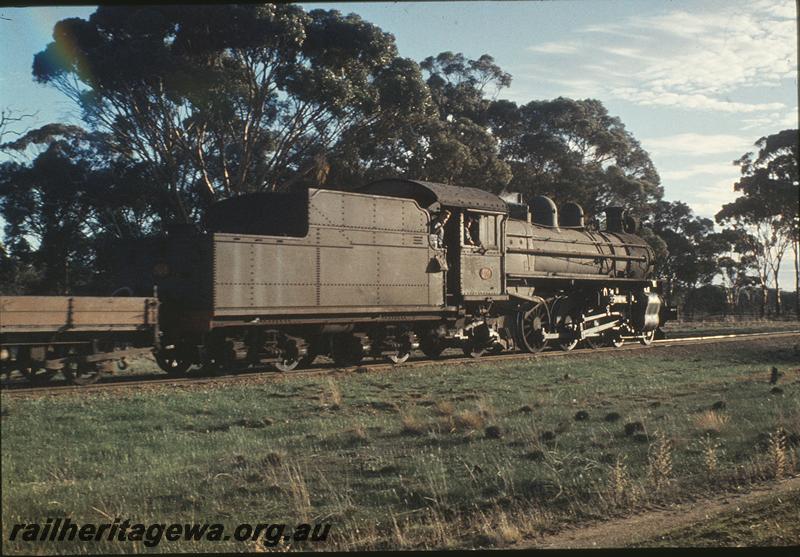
(171, 361)
(530, 327)
(647, 338)
(80, 372)
(567, 344)
(288, 356)
(346, 350)
(432, 346)
(31, 369)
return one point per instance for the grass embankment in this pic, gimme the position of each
(459, 456)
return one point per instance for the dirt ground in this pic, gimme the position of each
(656, 524)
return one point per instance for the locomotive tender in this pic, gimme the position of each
(285, 277)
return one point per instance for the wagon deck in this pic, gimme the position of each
(53, 314)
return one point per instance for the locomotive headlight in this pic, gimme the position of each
(161, 270)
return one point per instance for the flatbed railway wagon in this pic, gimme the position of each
(81, 336)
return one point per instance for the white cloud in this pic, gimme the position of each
(696, 144)
(700, 170)
(707, 199)
(554, 48)
(660, 97)
(696, 60)
(773, 120)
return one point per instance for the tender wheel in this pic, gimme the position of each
(647, 338)
(80, 372)
(171, 361)
(399, 358)
(530, 327)
(431, 346)
(221, 357)
(289, 357)
(346, 350)
(307, 360)
(403, 351)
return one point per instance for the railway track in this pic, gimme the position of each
(261, 375)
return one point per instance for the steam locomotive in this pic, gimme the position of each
(287, 277)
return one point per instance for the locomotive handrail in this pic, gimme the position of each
(574, 254)
(585, 243)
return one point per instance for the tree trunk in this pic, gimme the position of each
(764, 293)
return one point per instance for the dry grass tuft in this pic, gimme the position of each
(660, 461)
(444, 408)
(468, 420)
(502, 531)
(620, 483)
(356, 436)
(485, 409)
(776, 451)
(710, 448)
(711, 421)
(411, 425)
(332, 396)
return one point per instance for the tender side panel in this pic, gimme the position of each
(361, 251)
(78, 313)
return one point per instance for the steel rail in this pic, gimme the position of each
(269, 374)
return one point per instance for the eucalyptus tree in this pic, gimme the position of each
(222, 100)
(767, 209)
(573, 150)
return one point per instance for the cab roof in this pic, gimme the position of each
(428, 194)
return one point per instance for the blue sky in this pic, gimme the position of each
(696, 82)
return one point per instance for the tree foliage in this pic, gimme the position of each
(223, 100)
(573, 150)
(767, 209)
(184, 106)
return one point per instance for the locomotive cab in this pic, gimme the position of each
(473, 237)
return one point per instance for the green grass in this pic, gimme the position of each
(450, 456)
